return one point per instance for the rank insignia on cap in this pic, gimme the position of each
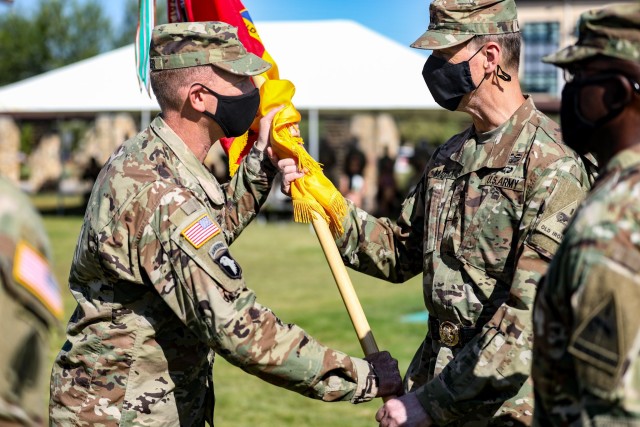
(200, 231)
(31, 270)
(225, 261)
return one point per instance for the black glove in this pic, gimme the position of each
(386, 369)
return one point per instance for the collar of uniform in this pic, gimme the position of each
(625, 159)
(189, 160)
(495, 147)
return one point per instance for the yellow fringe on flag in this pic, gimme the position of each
(313, 192)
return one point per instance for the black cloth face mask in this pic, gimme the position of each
(577, 130)
(234, 114)
(448, 83)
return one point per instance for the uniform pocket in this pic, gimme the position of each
(488, 241)
(435, 212)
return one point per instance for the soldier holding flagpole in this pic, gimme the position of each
(158, 289)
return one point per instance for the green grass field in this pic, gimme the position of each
(284, 264)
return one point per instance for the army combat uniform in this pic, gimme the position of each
(586, 316)
(481, 226)
(587, 328)
(159, 292)
(30, 306)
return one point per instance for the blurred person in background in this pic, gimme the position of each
(30, 308)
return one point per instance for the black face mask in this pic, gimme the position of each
(448, 83)
(577, 130)
(234, 114)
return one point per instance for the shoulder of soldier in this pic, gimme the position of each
(138, 172)
(19, 219)
(548, 147)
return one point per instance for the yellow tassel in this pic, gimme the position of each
(303, 211)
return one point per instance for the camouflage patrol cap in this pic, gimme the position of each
(189, 44)
(452, 22)
(613, 31)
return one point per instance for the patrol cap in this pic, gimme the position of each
(613, 31)
(452, 22)
(189, 44)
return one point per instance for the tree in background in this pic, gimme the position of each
(60, 32)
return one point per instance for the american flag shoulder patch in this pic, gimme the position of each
(32, 271)
(200, 231)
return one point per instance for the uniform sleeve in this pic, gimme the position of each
(553, 371)
(380, 248)
(188, 262)
(493, 367)
(247, 191)
(588, 328)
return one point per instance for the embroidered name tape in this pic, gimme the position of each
(200, 231)
(504, 181)
(32, 271)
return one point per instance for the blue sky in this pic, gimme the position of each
(401, 20)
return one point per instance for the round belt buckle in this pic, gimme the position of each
(449, 334)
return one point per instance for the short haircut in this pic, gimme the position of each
(167, 84)
(510, 43)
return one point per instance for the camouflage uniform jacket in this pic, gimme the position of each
(158, 293)
(587, 328)
(481, 225)
(30, 305)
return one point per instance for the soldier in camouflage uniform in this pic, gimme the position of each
(30, 306)
(481, 225)
(587, 328)
(157, 287)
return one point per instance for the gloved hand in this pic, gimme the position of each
(386, 369)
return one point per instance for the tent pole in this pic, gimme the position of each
(314, 133)
(145, 119)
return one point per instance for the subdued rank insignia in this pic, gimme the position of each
(225, 261)
(200, 231)
(515, 158)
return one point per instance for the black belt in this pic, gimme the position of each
(451, 334)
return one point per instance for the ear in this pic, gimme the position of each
(620, 95)
(195, 98)
(493, 56)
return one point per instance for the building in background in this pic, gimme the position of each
(546, 26)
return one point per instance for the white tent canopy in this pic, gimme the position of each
(335, 65)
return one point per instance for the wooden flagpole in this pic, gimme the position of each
(349, 297)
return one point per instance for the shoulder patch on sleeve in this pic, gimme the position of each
(559, 209)
(606, 326)
(31, 270)
(200, 231)
(553, 226)
(221, 256)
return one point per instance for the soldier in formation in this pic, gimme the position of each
(587, 328)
